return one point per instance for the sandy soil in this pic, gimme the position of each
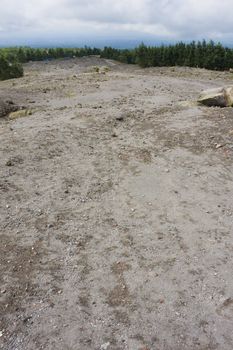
(116, 210)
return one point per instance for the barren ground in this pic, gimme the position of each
(116, 204)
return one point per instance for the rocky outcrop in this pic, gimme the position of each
(220, 97)
(7, 107)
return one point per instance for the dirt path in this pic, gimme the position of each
(116, 210)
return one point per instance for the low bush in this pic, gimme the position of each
(10, 70)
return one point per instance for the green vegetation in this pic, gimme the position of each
(26, 54)
(11, 59)
(10, 68)
(201, 54)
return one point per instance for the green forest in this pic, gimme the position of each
(201, 54)
(11, 59)
(195, 54)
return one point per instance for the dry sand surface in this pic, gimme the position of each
(116, 210)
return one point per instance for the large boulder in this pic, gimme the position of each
(229, 95)
(7, 107)
(220, 97)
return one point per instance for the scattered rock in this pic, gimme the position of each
(219, 145)
(19, 114)
(105, 69)
(14, 160)
(120, 118)
(220, 97)
(95, 69)
(9, 163)
(7, 107)
(45, 90)
(26, 319)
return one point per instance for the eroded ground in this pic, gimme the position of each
(116, 210)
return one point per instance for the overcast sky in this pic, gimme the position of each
(66, 22)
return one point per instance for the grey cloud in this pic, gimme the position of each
(158, 19)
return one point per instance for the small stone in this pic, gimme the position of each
(120, 118)
(105, 346)
(9, 163)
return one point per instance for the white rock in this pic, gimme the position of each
(220, 97)
(104, 346)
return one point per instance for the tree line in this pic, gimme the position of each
(195, 54)
(11, 59)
